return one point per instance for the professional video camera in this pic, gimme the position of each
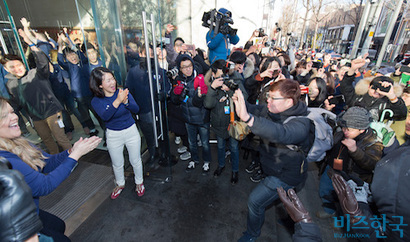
(219, 21)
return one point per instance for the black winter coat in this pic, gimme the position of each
(390, 189)
(375, 105)
(216, 100)
(276, 158)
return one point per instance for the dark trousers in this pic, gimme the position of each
(53, 226)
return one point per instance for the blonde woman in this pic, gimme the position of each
(41, 171)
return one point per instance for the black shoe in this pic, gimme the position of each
(258, 176)
(252, 167)
(95, 133)
(234, 178)
(218, 171)
(151, 166)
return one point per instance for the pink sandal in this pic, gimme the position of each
(141, 190)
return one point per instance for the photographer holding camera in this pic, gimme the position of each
(375, 95)
(219, 101)
(220, 35)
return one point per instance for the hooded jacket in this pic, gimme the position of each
(275, 157)
(193, 109)
(359, 97)
(33, 90)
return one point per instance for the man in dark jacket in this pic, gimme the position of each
(390, 189)
(189, 92)
(282, 166)
(138, 84)
(32, 90)
(375, 100)
(218, 100)
(356, 151)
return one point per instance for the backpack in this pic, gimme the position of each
(323, 134)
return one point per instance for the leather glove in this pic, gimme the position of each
(200, 82)
(294, 206)
(346, 196)
(178, 88)
(359, 187)
(18, 213)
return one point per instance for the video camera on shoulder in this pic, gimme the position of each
(219, 20)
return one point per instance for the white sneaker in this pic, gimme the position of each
(185, 156)
(205, 168)
(177, 140)
(191, 166)
(182, 149)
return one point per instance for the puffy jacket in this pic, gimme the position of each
(33, 91)
(276, 158)
(192, 106)
(375, 105)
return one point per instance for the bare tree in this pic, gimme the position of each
(355, 14)
(318, 15)
(308, 5)
(286, 20)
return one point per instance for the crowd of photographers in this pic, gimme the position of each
(259, 90)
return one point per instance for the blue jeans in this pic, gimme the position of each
(203, 131)
(326, 192)
(261, 197)
(233, 147)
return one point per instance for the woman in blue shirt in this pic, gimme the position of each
(114, 106)
(42, 172)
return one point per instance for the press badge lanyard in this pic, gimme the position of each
(227, 107)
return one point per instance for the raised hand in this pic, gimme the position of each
(25, 23)
(346, 196)
(83, 146)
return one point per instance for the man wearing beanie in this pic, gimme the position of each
(356, 152)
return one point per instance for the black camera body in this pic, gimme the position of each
(337, 99)
(378, 85)
(317, 64)
(171, 74)
(231, 84)
(218, 22)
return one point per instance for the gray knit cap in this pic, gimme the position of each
(356, 118)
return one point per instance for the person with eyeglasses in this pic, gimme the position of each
(283, 166)
(189, 91)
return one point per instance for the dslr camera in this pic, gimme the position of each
(171, 74)
(231, 84)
